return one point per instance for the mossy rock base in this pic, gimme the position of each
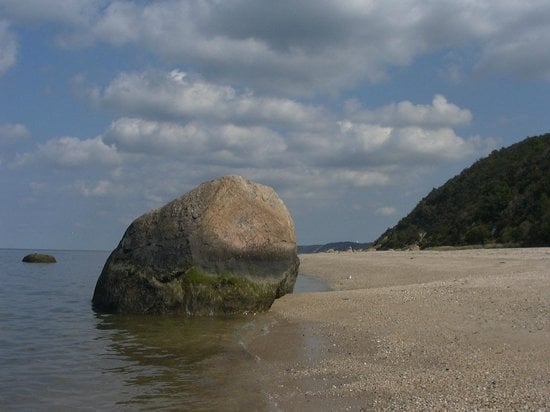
(39, 258)
(226, 293)
(192, 292)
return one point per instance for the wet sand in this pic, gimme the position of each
(423, 330)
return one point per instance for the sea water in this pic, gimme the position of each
(56, 353)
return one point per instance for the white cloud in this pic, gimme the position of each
(307, 47)
(360, 178)
(73, 12)
(440, 113)
(75, 153)
(13, 132)
(518, 42)
(526, 55)
(176, 95)
(8, 48)
(364, 136)
(300, 48)
(117, 23)
(212, 114)
(226, 144)
(385, 211)
(435, 144)
(392, 135)
(155, 157)
(295, 48)
(101, 188)
(345, 153)
(136, 135)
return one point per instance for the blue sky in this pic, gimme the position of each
(351, 110)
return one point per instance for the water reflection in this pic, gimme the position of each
(306, 283)
(173, 361)
(185, 363)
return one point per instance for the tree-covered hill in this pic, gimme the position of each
(501, 199)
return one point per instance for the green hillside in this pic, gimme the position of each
(501, 199)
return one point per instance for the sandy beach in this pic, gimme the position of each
(419, 330)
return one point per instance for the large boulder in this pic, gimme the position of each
(228, 246)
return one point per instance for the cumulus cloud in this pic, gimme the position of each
(101, 188)
(284, 46)
(378, 147)
(73, 12)
(439, 113)
(176, 114)
(355, 152)
(306, 47)
(385, 211)
(8, 48)
(431, 144)
(362, 145)
(227, 144)
(525, 56)
(360, 178)
(312, 46)
(71, 152)
(518, 44)
(177, 95)
(13, 132)
(393, 135)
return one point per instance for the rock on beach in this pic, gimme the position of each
(227, 246)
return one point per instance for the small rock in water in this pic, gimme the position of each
(39, 258)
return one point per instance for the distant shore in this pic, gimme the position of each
(462, 329)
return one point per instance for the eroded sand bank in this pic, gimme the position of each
(412, 330)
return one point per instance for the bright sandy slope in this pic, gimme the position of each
(458, 330)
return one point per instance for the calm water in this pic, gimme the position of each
(57, 354)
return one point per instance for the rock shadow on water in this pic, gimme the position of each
(176, 362)
(200, 363)
(306, 282)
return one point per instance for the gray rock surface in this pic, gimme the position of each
(39, 258)
(228, 246)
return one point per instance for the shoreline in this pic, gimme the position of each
(466, 329)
